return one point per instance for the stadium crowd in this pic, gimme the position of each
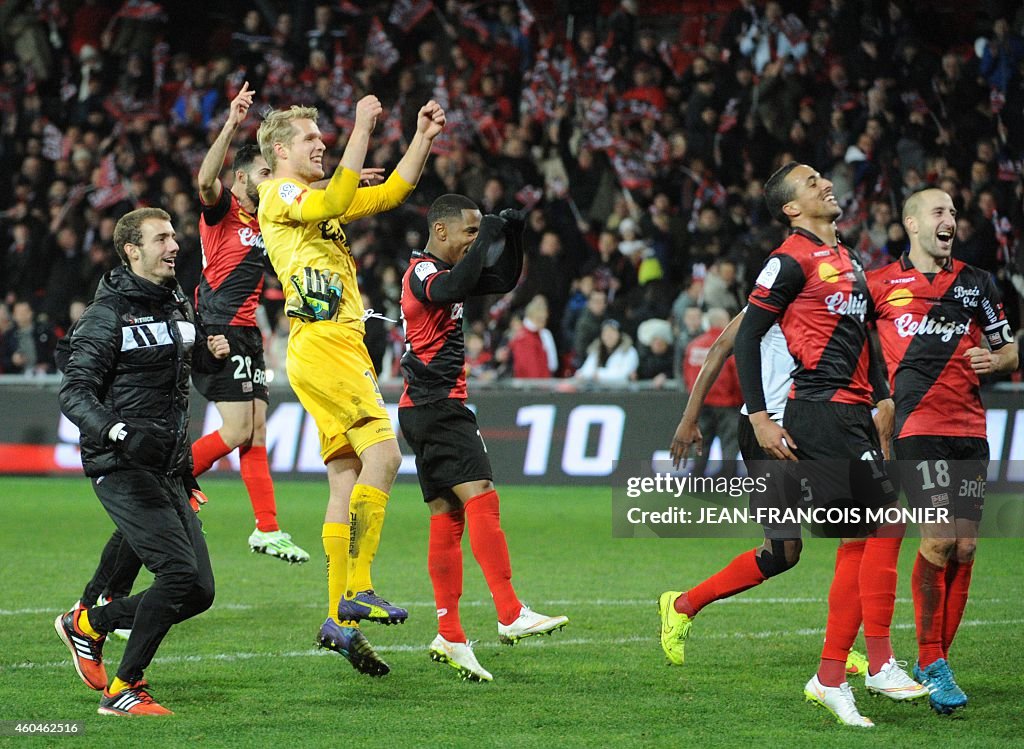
(637, 136)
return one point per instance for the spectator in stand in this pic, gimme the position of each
(722, 288)
(611, 359)
(28, 347)
(588, 326)
(655, 355)
(719, 416)
(479, 361)
(533, 350)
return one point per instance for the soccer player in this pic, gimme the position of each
(451, 458)
(933, 312)
(328, 365)
(816, 290)
(226, 301)
(126, 387)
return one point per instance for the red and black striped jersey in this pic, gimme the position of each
(925, 326)
(821, 296)
(233, 263)
(435, 352)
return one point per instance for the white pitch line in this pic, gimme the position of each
(554, 642)
(745, 601)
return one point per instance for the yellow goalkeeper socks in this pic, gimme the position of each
(336, 542)
(366, 512)
(117, 686)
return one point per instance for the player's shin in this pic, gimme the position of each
(366, 510)
(444, 562)
(336, 542)
(878, 576)
(844, 614)
(490, 549)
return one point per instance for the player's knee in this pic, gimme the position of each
(965, 548)
(203, 595)
(778, 556)
(389, 458)
(236, 433)
(938, 548)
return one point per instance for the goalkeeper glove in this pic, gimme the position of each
(319, 298)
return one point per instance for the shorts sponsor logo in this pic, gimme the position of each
(940, 500)
(289, 191)
(247, 387)
(769, 273)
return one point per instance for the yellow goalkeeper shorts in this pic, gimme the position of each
(331, 373)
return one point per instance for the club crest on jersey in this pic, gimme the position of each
(910, 325)
(853, 305)
(968, 296)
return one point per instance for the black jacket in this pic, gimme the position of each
(128, 360)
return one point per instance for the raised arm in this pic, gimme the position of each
(337, 196)
(429, 124)
(208, 178)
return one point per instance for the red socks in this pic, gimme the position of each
(256, 475)
(844, 614)
(928, 585)
(444, 562)
(878, 596)
(958, 581)
(206, 451)
(491, 551)
(741, 574)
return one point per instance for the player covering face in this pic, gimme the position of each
(451, 458)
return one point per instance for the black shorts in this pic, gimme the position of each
(761, 465)
(244, 376)
(840, 460)
(449, 449)
(942, 471)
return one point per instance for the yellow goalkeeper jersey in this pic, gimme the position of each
(297, 234)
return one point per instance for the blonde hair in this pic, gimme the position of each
(277, 128)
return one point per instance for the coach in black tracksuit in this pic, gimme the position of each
(126, 387)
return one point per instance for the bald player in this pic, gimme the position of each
(933, 314)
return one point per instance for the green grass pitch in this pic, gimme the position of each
(246, 673)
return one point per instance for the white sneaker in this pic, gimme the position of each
(838, 701)
(117, 634)
(459, 655)
(277, 544)
(893, 682)
(529, 623)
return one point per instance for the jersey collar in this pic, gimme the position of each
(810, 235)
(907, 264)
(424, 255)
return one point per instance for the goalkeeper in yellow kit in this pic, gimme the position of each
(328, 365)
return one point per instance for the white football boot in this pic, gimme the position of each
(459, 655)
(838, 701)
